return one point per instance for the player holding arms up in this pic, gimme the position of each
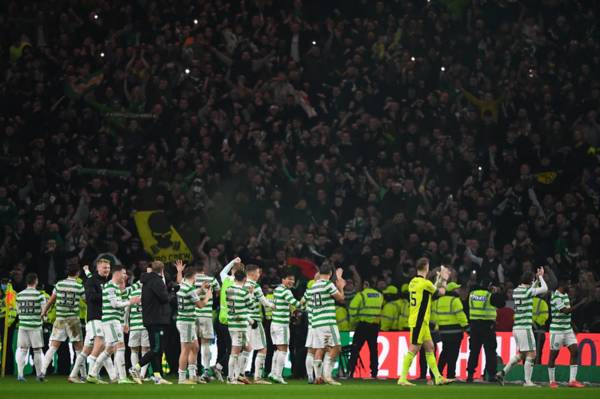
(421, 292)
(523, 326)
(561, 334)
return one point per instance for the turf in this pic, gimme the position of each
(59, 388)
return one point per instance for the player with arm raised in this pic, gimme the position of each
(188, 300)
(561, 334)
(322, 297)
(421, 291)
(531, 285)
(280, 324)
(67, 294)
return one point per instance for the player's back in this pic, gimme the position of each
(68, 294)
(523, 298)
(420, 290)
(322, 303)
(238, 308)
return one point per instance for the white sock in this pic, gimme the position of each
(318, 368)
(233, 365)
(91, 360)
(259, 365)
(79, 363)
(551, 374)
(145, 368)
(48, 358)
(528, 369)
(110, 368)
(309, 364)
(98, 363)
(38, 361)
(193, 371)
(134, 357)
(327, 367)
(242, 363)
(513, 360)
(120, 363)
(274, 363)
(572, 373)
(182, 375)
(21, 359)
(205, 355)
(281, 363)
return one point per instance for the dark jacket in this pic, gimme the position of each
(156, 309)
(93, 296)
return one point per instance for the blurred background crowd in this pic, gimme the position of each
(365, 133)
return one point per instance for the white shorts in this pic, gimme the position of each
(560, 339)
(93, 329)
(204, 328)
(257, 337)
(139, 338)
(310, 334)
(113, 332)
(325, 337)
(187, 331)
(30, 338)
(524, 339)
(280, 334)
(238, 338)
(66, 328)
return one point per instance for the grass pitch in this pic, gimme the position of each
(58, 387)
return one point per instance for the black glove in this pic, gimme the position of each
(254, 324)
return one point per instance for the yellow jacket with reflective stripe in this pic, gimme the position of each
(268, 311)
(540, 311)
(343, 319)
(448, 314)
(389, 315)
(366, 306)
(480, 307)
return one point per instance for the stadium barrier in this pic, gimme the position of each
(394, 345)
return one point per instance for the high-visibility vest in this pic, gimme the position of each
(389, 316)
(223, 301)
(366, 306)
(480, 307)
(540, 311)
(268, 310)
(51, 315)
(342, 318)
(448, 314)
(402, 320)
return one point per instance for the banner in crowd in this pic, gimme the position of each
(159, 237)
(394, 345)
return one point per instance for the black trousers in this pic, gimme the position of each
(365, 332)
(540, 340)
(156, 335)
(483, 333)
(449, 354)
(223, 345)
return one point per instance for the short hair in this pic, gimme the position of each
(116, 268)
(422, 264)
(189, 271)
(72, 269)
(251, 267)
(157, 266)
(527, 277)
(31, 278)
(326, 268)
(239, 275)
(103, 260)
(563, 283)
(287, 272)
